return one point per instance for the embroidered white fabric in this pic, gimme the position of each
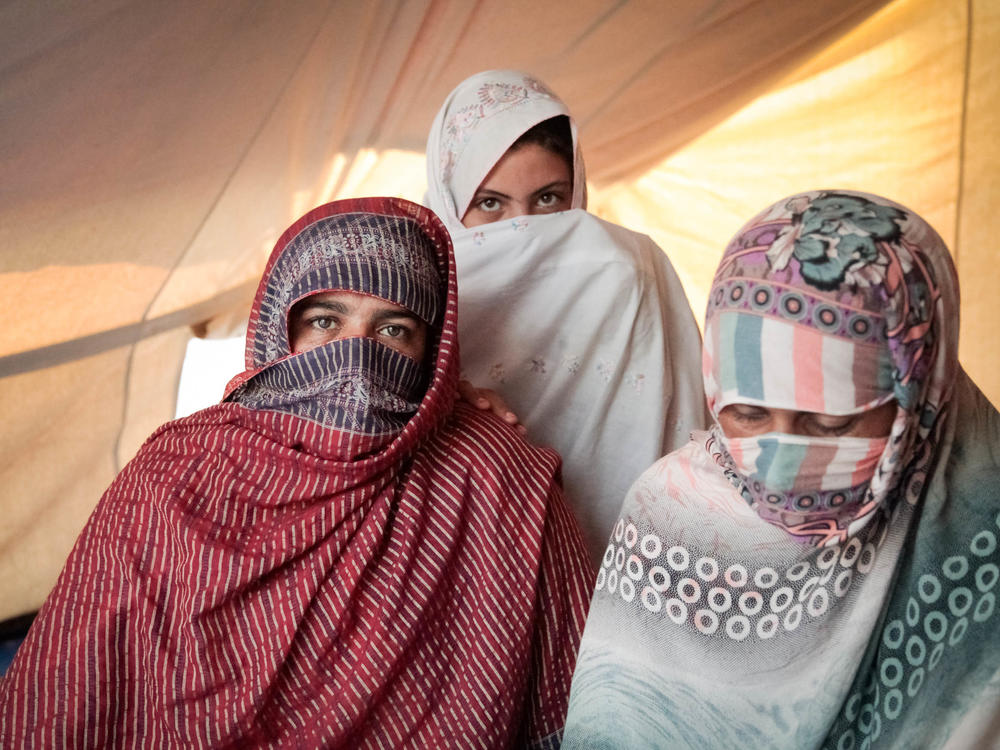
(584, 328)
(580, 324)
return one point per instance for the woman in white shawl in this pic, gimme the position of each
(582, 325)
(820, 569)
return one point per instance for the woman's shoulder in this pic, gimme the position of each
(623, 237)
(481, 438)
(692, 454)
(973, 469)
(637, 248)
(489, 461)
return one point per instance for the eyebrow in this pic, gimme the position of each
(556, 183)
(339, 307)
(307, 305)
(384, 315)
(484, 192)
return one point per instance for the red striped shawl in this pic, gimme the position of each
(242, 583)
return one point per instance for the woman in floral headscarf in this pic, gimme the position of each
(819, 569)
(582, 325)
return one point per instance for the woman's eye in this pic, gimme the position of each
(394, 331)
(548, 200)
(749, 415)
(322, 323)
(488, 204)
(828, 427)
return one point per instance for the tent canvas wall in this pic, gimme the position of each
(153, 152)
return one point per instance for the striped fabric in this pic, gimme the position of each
(803, 483)
(388, 256)
(257, 578)
(790, 463)
(354, 385)
(766, 360)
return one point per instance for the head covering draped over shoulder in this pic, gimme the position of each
(478, 122)
(860, 297)
(582, 325)
(336, 556)
(756, 593)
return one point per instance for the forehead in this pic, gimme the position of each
(391, 257)
(350, 303)
(530, 165)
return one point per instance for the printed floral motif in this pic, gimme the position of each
(834, 237)
(492, 98)
(537, 365)
(572, 364)
(859, 255)
(856, 267)
(479, 238)
(636, 380)
(520, 223)
(497, 373)
(495, 94)
(606, 369)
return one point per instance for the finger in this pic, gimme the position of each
(473, 395)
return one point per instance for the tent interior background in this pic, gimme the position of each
(152, 153)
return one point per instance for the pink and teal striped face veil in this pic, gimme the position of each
(832, 302)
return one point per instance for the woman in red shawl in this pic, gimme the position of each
(337, 555)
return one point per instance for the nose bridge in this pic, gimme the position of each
(784, 421)
(356, 327)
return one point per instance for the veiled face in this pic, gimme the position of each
(526, 181)
(331, 316)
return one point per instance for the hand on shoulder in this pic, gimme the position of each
(486, 399)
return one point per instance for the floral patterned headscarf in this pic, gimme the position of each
(720, 619)
(835, 302)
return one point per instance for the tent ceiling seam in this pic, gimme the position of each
(126, 335)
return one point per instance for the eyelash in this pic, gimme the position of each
(314, 321)
(403, 330)
(545, 200)
(834, 430)
(815, 427)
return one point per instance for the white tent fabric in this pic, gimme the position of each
(152, 152)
